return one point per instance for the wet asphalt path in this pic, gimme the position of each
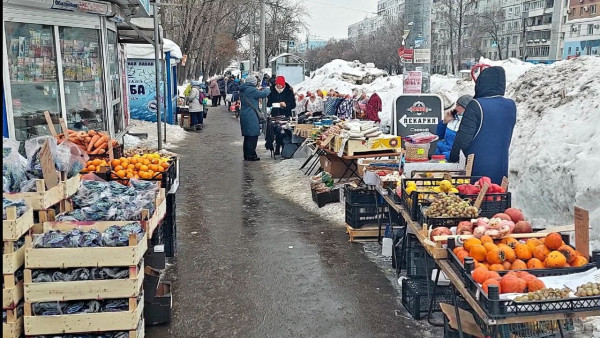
(252, 264)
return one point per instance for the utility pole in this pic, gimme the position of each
(157, 59)
(418, 18)
(262, 62)
(251, 67)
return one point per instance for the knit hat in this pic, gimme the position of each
(251, 80)
(280, 80)
(447, 101)
(464, 100)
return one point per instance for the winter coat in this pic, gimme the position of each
(315, 106)
(213, 90)
(249, 94)
(374, 106)
(447, 134)
(234, 89)
(287, 96)
(487, 126)
(195, 100)
(222, 85)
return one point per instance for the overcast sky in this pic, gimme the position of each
(331, 18)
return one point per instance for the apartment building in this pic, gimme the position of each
(386, 9)
(581, 33)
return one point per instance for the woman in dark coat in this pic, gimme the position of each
(249, 96)
(222, 90)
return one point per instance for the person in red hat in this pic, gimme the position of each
(282, 102)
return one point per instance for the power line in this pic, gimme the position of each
(338, 6)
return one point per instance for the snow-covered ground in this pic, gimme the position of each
(174, 134)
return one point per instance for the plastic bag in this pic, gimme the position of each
(33, 148)
(13, 166)
(70, 158)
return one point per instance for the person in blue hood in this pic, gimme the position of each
(487, 126)
(449, 125)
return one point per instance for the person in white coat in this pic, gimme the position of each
(314, 105)
(195, 106)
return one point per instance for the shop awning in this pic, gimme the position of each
(139, 31)
(146, 51)
(134, 8)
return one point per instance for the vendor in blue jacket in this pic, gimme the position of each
(487, 126)
(447, 128)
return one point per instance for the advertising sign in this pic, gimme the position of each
(413, 81)
(417, 113)
(81, 5)
(141, 91)
(422, 55)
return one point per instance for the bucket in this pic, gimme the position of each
(417, 152)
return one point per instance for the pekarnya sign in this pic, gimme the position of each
(82, 6)
(417, 113)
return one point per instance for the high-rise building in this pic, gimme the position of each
(581, 32)
(386, 10)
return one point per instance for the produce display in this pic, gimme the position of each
(544, 294)
(588, 289)
(146, 166)
(511, 282)
(111, 201)
(114, 236)
(129, 152)
(450, 205)
(475, 189)
(74, 307)
(78, 274)
(91, 141)
(19, 204)
(511, 254)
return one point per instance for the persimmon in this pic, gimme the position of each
(495, 256)
(496, 267)
(511, 242)
(469, 243)
(486, 239)
(509, 253)
(532, 243)
(489, 282)
(541, 252)
(480, 275)
(523, 252)
(478, 252)
(535, 263)
(568, 252)
(518, 265)
(553, 241)
(579, 261)
(555, 260)
(510, 284)
(535, 284)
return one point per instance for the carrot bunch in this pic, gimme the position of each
(92, 142)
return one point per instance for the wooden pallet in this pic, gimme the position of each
(12, 293)
(13, 328)
(85, 322)
(14, 227)
(41, 199)
(12, 259)
(367, 233)
(81, 290)
(62, 258)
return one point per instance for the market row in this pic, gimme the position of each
(86, 237)
(456, 242)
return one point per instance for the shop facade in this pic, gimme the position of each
(63, 57)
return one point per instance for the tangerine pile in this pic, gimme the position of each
(94, 165)
(511, 254)
(147, 166)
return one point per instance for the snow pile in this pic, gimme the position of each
(175, 134)
(555, 152)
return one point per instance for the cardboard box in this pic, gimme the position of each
(335, 166)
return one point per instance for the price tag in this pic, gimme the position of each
(469, 165)
(505, 183)
(448, 177)
(481, 195)
(420, 151)
(50, 124)
(48, 169)
(582, 231)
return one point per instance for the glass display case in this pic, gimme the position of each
(115, 81)
(34, 83)
(82, 75)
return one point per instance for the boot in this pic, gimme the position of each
(278, 149)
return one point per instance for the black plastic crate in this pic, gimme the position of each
(491, 204)
(416, 295)
(419, 263)
(167, 178)
(323, 198)
(392, 194)
(539, 329)
(358, 215)
(497, 308)
(435, 222)
(170, 226)
(360, 195)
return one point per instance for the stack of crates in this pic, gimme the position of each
(362, 208)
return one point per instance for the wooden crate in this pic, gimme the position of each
(41, 199)
(70, 186)
(159, 212)
(62, 258)
(365, 233)
(81, 290)
(12, 259)
(12, 293)
(14, 227)
(13, 328)
(84, 322)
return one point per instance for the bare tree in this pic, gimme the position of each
(453, 16)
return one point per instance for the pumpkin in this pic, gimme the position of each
(469, 243)
(553, 241)
(509, 253)
(510, 284)
(532, 243)
(579, 261)
(534, 285)
(480, 275)
(535, 263)
(523, 252)
(489, 282)
(486, 239)
(568, 252)
(541, 252)
(518, 265)
(511, 242)
(555, 260)
(495, 256)
(496, 267)
(478, 252)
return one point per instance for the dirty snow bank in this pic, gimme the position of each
(555, 151)
(175, 134)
